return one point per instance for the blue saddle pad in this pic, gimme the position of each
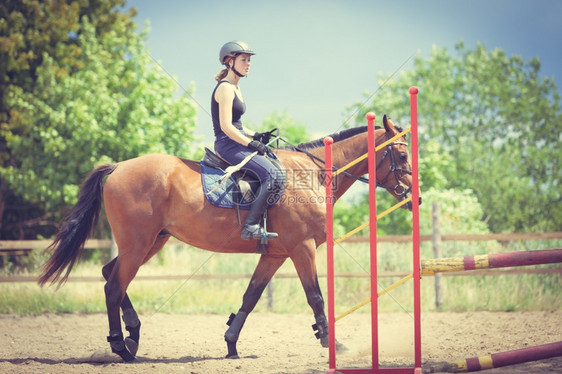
(222, 195)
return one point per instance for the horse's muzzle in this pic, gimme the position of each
(408, 205)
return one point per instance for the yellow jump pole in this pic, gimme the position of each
(359, 228)
(385, 291)
(361, 158)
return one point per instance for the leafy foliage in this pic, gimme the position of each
(79, 90)
(489, 124)
(102, 113)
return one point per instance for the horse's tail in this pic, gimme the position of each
(76, 227)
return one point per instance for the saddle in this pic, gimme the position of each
(236, 192)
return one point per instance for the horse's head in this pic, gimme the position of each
(393, 163)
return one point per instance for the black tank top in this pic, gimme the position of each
(238, 108)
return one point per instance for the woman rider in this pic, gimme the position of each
(233, 141)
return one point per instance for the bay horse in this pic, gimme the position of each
(150, 198)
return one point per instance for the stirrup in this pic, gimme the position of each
(256, 232)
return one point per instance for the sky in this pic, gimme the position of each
(316, 58)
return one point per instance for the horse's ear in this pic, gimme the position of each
(387, 122)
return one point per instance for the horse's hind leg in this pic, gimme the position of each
(124, 270)
(130, 317)
(267, 266)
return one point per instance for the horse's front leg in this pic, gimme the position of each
(305, 264)
(266, 268)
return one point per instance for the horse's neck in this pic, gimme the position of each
(344, 152)
(348, 150)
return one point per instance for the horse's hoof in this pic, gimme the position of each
(132, 345)
(125, 355)
(129, 358)
(232, 352)
(340, 348)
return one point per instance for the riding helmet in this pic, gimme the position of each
(233, 48)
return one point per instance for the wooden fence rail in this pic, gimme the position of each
(14, 247)
(23, 247)
(488, 272)
(462, 237)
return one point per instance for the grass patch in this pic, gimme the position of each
(222, 296)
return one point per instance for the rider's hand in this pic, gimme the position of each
(263, 137)
(258, 146)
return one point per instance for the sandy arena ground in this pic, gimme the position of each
(269, 343)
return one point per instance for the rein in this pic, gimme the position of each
(398, 188)
(360, 179)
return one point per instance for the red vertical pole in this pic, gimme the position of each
(328, 141)
(416, 227)
(373, 237)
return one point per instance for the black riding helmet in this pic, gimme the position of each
(233, 49)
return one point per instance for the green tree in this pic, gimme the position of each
(495, 123)
(92, 96)
(28, 30)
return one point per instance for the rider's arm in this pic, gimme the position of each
(225, 96)
(248, 132)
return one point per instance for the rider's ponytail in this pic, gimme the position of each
(221, 75)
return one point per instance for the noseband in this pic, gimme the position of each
(398, 189)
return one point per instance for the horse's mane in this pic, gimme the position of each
(339, 136)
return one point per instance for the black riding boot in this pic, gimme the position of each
(252, 228)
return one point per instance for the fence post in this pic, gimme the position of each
(270, 299)
(436, 240)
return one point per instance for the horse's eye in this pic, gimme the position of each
(403, 157)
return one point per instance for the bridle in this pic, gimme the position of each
(398, 189)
